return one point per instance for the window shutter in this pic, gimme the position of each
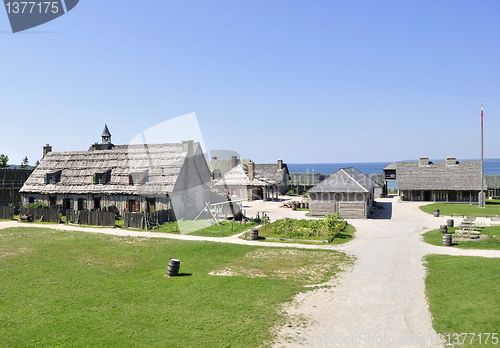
(137, 206)
(71, 204)
(126, 206)
(130, 179)
(95, 179)
(104, 178)
(84, 204)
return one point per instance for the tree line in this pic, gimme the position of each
(4, 160)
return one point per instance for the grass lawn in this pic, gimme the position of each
(464, 296)
(69, 289)
(201, 228)
(492, 208)
(434, 237)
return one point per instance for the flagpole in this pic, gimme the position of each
(482, 202)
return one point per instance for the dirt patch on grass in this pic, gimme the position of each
(311, 267)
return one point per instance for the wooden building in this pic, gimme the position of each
(131, 178)
(444, 181)
(255, 181)
(347, 192)
(11, 181)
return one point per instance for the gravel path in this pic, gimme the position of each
(378, 303)
(381, 301)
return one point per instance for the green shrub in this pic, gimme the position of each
(290, 193)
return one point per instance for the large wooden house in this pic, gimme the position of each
(444, 181)
(131, 178)
(347, 192)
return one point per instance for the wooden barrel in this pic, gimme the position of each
(173, 267)
(436, 213)
(254, 234)
(443, 229)
(450, 222)
(294, 206)
(447, 239)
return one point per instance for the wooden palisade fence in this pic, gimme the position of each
(42, 214)
(88, 217)
(6, 213)
(145, 220)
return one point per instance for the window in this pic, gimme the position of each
(139, 178)
(132, 206)
(53, 178)
(102, 178)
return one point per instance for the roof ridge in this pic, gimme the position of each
(342, 169)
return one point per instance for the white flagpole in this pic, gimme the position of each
(482, 200)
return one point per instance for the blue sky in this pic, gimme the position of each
(305, 81)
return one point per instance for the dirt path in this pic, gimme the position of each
(381, 301)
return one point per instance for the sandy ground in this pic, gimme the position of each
(379, 302)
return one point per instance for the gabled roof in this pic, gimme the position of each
(390, 166)
(271, 173)
(345, 180)
(224, 166)
(464, 175)
(164, 163)
(235, 177)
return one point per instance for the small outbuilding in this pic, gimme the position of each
(347, 192)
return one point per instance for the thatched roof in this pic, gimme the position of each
(463, 175)
(345, 180)
(162, 163)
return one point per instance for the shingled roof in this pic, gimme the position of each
(270, 172)
(224, 166)
(163, 163)
(463, 175)
(345, 180)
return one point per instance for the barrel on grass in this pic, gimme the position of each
(443, 229)
(254, 234)
(173, 267)
(294, 206)
(450, 222)
(447, 239)
(436, 212)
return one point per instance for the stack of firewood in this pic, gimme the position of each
(289, 204)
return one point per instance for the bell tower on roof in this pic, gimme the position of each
(106, 135)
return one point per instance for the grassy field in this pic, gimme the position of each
(492, 208)
(201, 228)
(464, 297)
(434, 237)
(69, 289)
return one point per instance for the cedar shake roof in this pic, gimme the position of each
(224, 166)
(163, 164)
(235, 177)
(390, 166)
(464, 175)
(345, 180)
(265, 174)
(271, 173)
